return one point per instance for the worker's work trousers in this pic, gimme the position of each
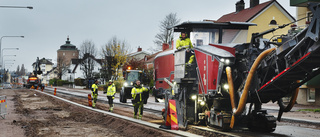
(110, 100)
(94, 99)
(138, 107)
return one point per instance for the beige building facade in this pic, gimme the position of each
(66, 53)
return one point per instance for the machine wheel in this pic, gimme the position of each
(121, 97)
(262, 123)
(207, 120)
(124, 99)
(226, 124)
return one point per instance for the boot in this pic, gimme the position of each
(135, 116)
(111, 108)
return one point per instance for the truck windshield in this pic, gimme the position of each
(132, 76)
(211, 36)
(204, 36)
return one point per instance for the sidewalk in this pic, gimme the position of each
(295, 115)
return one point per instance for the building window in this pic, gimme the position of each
(309, 16)
(63, 53)
(311, 95)
(74, 54)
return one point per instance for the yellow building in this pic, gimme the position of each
(261, 14)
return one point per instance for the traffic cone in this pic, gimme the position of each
(55, 91)
(89, 100)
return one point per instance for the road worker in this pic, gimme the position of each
(111, 91)
(137, 99)
(94, 93)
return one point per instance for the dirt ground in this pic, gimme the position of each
(39, 115)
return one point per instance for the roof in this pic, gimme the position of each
(76, 62)
(137, 53)
(248, 14)
(150, 58)
(211, 25)
(44, 61)
(68, 46)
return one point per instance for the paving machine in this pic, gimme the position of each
(227, 84)
(33, 81)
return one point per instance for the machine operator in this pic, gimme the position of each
(185, 42)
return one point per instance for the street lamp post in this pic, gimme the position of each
(2, 55)
(5, 73)
(7, 37)
(28, 7)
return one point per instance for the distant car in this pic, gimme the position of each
(7, 86)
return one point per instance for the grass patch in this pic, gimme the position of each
(311, 110)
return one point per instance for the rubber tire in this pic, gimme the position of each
(121, 98)
(124, 100)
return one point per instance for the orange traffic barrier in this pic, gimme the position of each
(89, 100)
(51, 86)
(55, 91)
(42, 89)
(32, 87)
(37, 87)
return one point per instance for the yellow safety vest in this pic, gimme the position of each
(186, 43)
(138, 91)
(111, 90)
(94, 87)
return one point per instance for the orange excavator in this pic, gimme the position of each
(33, 81)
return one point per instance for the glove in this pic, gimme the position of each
(113, 97)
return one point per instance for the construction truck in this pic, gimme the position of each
(33, 80)
(130, 76)
(215, 89)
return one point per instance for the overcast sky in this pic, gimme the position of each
(47, 26)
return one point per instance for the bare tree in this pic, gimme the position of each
(115, 53)
(87, 51)
(18, 70)
(166, 35)
(62, 66)
(22, 70)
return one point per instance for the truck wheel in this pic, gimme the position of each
(207, 120)
(120, 98)
(124, 100)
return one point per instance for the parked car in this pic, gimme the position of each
(7, 86)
